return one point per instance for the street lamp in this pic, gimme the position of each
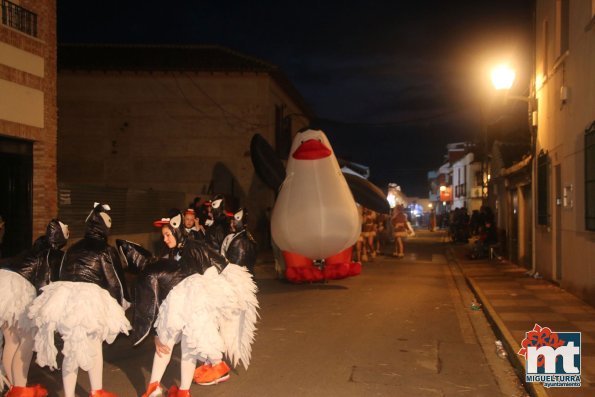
(502, 77)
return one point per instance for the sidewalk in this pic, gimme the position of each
(514, 302)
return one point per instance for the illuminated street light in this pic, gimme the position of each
(503, 77)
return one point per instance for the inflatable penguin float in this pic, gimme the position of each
(315, 220)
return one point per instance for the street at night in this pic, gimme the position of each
(404, 327)
(274, 198)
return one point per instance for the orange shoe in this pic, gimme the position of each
(31, 391)
(154, 390)
(217, 374)
(102, 393)
(175, 392)
(200, 371)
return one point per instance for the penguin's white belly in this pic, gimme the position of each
(315, 214)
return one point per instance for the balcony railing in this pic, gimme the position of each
(19, 18)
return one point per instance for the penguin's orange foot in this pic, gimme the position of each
(31, 391)
(175, 392)
(154, 390)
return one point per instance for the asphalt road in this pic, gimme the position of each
(404, 327)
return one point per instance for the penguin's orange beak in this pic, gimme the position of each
(312, 149)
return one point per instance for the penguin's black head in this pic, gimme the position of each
(98, 223)
(218, 206)
(240, 220)
(57, 233)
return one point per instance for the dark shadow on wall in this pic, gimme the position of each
(224, 182)
(261, 199)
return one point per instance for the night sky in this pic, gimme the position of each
(391, 82)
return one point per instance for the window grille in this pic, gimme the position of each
(19, 18)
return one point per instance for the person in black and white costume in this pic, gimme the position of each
(86, 306)
(220, 226)
(239, 246)
(196, 297)
(21, 279)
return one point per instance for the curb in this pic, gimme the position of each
(535, 389)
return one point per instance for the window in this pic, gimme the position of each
(543, 165)
(562, 26)
(590, 178)
(19, 18)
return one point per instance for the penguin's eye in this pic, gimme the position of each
(175, 221)
(106, 219)
(216, 203)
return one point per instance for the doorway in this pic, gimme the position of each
(513, 253)
(558, 224)
(16, 195)
(527, 258)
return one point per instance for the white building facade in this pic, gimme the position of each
(564, 171)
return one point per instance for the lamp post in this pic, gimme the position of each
(502, 79)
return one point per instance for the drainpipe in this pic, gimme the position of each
(533, 126)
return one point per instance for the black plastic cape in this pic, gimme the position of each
(242, 250)
(93, 260)
(158, 276)
(40, 264)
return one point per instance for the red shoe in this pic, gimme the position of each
(31, 391)
(200, 371)
(175, 392)
(154, 390)
(217, 374)
(102, 393)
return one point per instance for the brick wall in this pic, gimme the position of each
(44, 139)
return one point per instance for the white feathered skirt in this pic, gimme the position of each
(16, 294)
(83, 313)
(215, 313)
